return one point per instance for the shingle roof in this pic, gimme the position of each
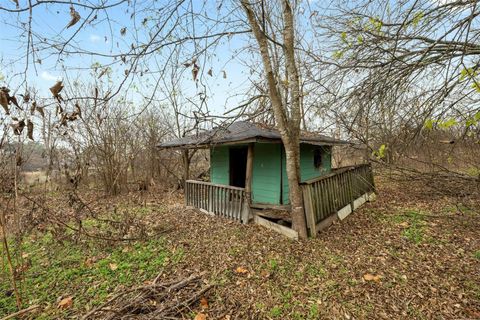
(241, 131)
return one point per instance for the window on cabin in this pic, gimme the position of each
(317, 158)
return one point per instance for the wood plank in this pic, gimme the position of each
(194, 195)
(329, 196)
(236, 209)
(210, 198)
(222, 202)
(214, 184)
(229, 203)
(325, 223)
(334, 172)
(359, 201)
(322, 200)
(290, 233)
(283, 207)
(344, 212)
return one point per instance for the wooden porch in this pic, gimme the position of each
(326, 198)
(336, 195)
(220, 200)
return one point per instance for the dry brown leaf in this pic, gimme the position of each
(113, 266)
(195, 70)
(224, 74)
(13, 100)
(123, 31)
(265, 274)
(210, 72)
(78, 111)
(4, 101)
(40, 110)
(18, 127)
(204, 302)
(89, 262)
(371, 277)
(26, 97)
(33, 107)
(66, 303)
(63, 119)
(55, 90)
(30, 130)
(241, 270)
(102, 73)
(200, 316)
(75, 17)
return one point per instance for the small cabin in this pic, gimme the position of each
(248, 178)
(228, 165)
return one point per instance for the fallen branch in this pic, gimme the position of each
(155, 300)
(21, 312)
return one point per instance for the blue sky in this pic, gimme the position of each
(49, 22)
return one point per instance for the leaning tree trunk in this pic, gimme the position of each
(292, 159)
(288, 120)
(186, 166)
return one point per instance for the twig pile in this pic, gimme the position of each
(167, 300)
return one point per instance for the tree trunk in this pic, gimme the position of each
(288, 121)
(186, 166)
(292, 159)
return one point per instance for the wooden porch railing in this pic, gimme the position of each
(324, 196)
(220, 200)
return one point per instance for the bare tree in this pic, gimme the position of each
(288, 114)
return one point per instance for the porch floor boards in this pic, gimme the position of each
(274, 214)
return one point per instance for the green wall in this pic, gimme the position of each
(219, 165)
(266, 173)
(307, 167)
(269, 169)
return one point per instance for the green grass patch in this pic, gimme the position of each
(276, 312)
(476, 255)
(88, 271)
(415, 230)
(413, 223)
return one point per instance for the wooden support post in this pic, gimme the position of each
(210, 198)
(350, 189)
(248, 184)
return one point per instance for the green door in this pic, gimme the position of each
(266, 181)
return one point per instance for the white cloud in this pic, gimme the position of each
(94, 38)
(49, 77)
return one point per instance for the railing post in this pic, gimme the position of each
(210, 198)
(245, 205)
(372, 181)
(350, 188)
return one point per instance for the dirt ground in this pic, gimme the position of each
(408, 255)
